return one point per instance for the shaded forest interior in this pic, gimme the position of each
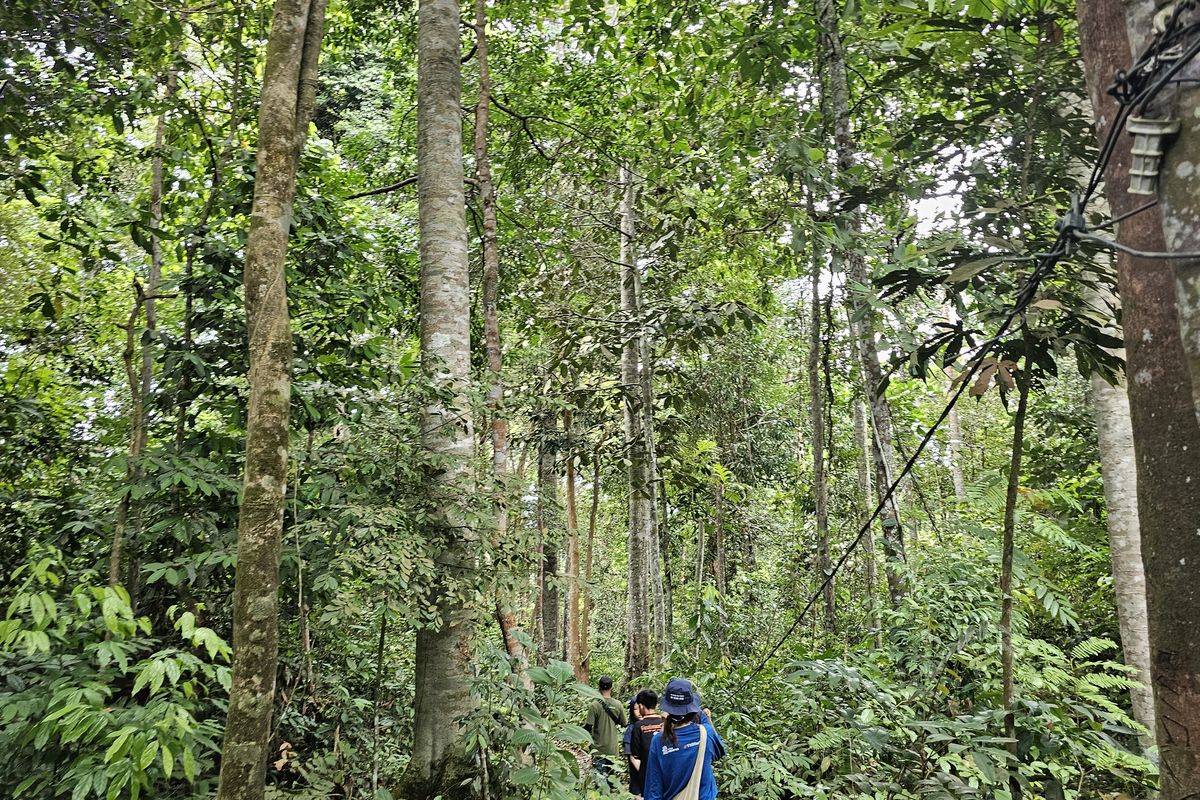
(377, 376)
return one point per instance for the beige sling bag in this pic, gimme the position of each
(692, 790)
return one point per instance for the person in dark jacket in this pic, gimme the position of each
(640, 734)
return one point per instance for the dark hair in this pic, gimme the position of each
(648, 698)
(677, 721)
(605, 682)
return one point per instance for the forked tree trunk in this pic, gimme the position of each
(837, 93)
(285, 109)
(641, 510)
(1165, 430)
(506, 616)
(443, 653)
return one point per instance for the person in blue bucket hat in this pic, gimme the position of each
(680, 763)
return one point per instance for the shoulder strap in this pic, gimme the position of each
(608, 710)
(691, 791)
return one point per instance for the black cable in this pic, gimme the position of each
(1124, 248)
(1070, 229)
(1024, 297)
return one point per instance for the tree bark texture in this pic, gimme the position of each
(285, 109)
(506, 616)
(816, 400)
(639, 619)
(1162, 411)
(443, 652)
(955, 442)
(549, 604)
(1006, 563)
(870, 571)
(574, 653)
(588, 562)
(1118, 464)
(836, 88)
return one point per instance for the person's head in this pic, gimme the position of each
(681, 702)
(645, 703)
(634, 713)
(605, 686)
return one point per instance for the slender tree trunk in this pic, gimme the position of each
(870, 570)
(1006, 562)
(549, 527)
(137, 436)
(720, 565)
(574, 653)
(589, 559)
(837, 93)
(156, 258)
(816, 400)
(443, 653)
(375, 695)
(285, 109)
(1118, 465)
(657, 533)
(954, 429)
(506, 615)
(1162, 410)
(639, 618)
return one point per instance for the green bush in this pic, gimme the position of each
(91, 704)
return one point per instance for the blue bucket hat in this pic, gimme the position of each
(680, 697)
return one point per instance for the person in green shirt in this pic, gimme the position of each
(606, 723)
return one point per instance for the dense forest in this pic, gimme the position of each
(377, 376)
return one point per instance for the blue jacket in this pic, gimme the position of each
(668, 768)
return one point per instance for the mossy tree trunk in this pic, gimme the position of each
(285, 110)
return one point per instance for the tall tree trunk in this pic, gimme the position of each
(653, 480)
(641, 510)
(588, 561)
(285, 109)
(443, 653)
(137, 435)
(837, 93)
(816, 400)
(1162, 410)
(506, 615)
(954, 431)
(549, 605)
(574, 652)
(720, 565)
(1118, 465)
(1006, 562)
(870, 571)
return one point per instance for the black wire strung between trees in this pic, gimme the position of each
(1131, 88)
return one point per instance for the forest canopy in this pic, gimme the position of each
(384, 383)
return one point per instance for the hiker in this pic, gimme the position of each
(679, 764)
(605, 722)
(639, 736)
